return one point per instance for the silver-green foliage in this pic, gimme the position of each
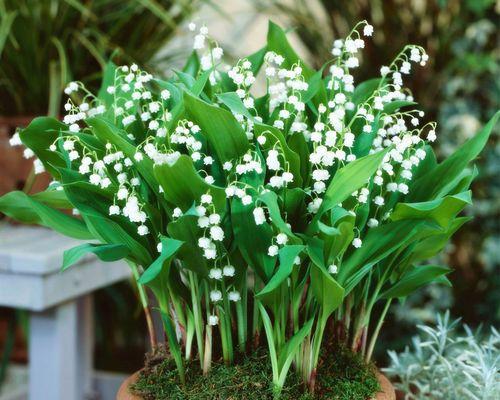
(443, 364)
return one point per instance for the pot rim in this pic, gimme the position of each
(387, 391)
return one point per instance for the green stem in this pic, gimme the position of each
(240, 318)
(376, 332)
(30, 181)
(198, 318)
(207, 359)
(145, 305)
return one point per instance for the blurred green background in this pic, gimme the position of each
(459, 88)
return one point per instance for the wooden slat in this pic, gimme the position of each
(33, 250)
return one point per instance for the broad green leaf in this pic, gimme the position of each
(53, 198)
(364, 141)
(275, 137)
(200, 83)
(336, 244)
(107, 132)
(298, 144)
(414, 279)
(182, 184)
(429, 247)
(436, 183)
(316, 88)
(232, 101)
(378, 243)
(393, 106)
(315, 247)
(186, 79)
(192, 64)
(257, 60)
(185, 228)
(329, 294)
(347, 180)
(252, 240)
(270, 199)
(110, 232)
(23, 208)
(287, 255)
(169, 248)
(38, 136)
(277, 42)
(105, 252)
(426, 165)
(108, 79)
(221, 129)
(365, 90)
(440, 210)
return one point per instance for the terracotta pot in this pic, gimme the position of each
(15, 168)
(123, 392)
(387, 392)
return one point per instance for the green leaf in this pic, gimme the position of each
(347, 180)
(107, 132)
(414, 279)
(185, 228)
(38, 136)
(192, 64)
(277, 42)
(252, 240)
(169, 248)
(23, 208)
(379, 243)
(219, 126)
(275, 137)
(336, 244)
(200, 83)
(173, 345)
(268, 328)
(364, 90)
(108, 79)
(326, 290)
(436, 183)
(440, 210)
(257, 60)
(287, 255)
(298, 144)
(316, 88)
(287, 354)
(232, 101)
(393, 106)
(53, 198)
(270, 199)
(329, 294)
(182, 185)
(429, 247)
(108, 231)
(105, 252)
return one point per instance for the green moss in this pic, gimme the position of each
(341, 376)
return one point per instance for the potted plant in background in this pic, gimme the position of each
(274, 229)
(445, 363)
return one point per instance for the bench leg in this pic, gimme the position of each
(61, 352)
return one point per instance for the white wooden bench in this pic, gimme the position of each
(61, 332)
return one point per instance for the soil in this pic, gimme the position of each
(342, 375)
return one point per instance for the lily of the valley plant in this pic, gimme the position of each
(282, 215)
